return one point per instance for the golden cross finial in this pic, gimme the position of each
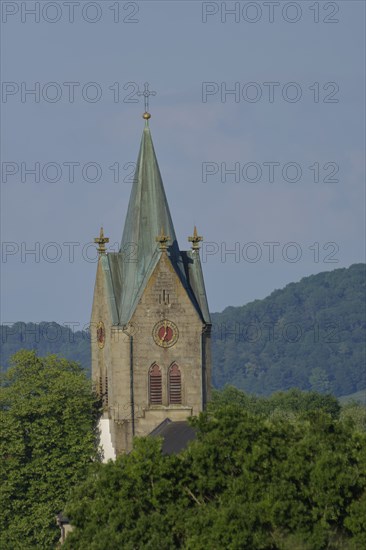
(101, 240)
(146, 93)
(163, 240)
(195, 240)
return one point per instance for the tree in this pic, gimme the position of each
(249, 480)
(48, 416)
(356, 412)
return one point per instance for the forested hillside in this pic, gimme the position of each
(309, 335)
(45, 338)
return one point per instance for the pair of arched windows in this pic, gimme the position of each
(156, 385)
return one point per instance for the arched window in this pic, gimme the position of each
(175, 385)
(155, 387)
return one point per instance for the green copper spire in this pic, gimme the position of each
(148, 209)
(148, 212)
(148, 234)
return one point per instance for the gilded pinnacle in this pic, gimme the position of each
(163, 240)
(195, 239)
(101, 241)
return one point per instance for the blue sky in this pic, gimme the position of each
(310, 218)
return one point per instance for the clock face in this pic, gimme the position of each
(101, 334)
(165, 333)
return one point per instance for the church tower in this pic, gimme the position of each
(150, 321)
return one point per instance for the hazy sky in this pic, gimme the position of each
(273, 171)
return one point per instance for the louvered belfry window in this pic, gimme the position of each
(175, 385)
(155, 387)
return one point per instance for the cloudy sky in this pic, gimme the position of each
(258, 125)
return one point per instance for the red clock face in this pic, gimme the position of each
(100, 334)
(165, 334)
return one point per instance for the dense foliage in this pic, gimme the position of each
(309, 335)
(251, 479)
(49, 438)
(288, 404)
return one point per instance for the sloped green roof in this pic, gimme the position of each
(112, 276)
(194, 272)
(128, 271)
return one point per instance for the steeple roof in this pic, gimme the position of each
(148, 211)
(147, 217)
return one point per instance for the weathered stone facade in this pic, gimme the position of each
(121, 367)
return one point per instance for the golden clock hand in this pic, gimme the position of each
(165, 331)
